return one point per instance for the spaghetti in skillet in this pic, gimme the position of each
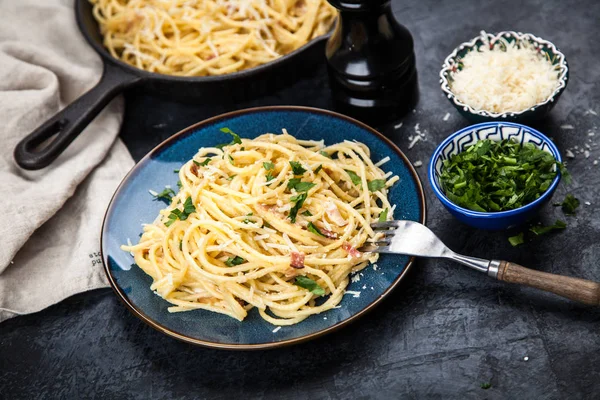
(208, 37)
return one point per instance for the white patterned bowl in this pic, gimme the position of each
(452, 65)
(497, 131)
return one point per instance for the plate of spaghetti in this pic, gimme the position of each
(242, 231)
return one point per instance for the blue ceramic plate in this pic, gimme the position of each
(132, 205)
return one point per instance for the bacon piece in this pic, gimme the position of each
(351, 250)
(334, 214)
(297, 260)
(194, 169)
(328, 233)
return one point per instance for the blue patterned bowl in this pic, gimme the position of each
(497, 131)
(132, 205)
(452, 65)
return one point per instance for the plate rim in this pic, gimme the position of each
(267, 345)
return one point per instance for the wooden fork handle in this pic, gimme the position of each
(581, 290)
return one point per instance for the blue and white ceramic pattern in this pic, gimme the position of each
(497, 131)
(452, 65)
(132, 205)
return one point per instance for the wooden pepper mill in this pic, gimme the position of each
(371, 62)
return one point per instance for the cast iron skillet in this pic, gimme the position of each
(33, 152)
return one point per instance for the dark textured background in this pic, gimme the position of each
(442, 333)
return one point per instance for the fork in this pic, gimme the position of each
(414, 239)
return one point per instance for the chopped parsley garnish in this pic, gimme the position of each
(230, 159)
(486, 385)
(310, 285)
(246, 220)
(319, 168)
(312, 228)
(268, 166)
(233, 261)
(373, 185)
(516, 240)
(269, 177)
(300, 187)
(179, 184)
(569, 204)
(538, 230)
(324, 154)
(498, 176)
(231, 177)
(542, 230)
(177, 214)
(355, 178)
(383, 215)
(176, 171)
(293, 182)
(166, 195)
(307, 213)
(376, 184)
(297, 168)
(181, 245)
(203, 163)
(236, 138)
(299, 200)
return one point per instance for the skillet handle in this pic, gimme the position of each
(65, 126)
(581, 290)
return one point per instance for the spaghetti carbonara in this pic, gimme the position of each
(272, 223)
(208, 37)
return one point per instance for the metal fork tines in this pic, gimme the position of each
(414, 239)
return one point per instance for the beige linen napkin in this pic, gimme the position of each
(49, 235)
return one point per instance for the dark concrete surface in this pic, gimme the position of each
(440, 335)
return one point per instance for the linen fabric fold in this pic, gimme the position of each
(50, 237)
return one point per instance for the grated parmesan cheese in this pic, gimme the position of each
(382, 161)
(354, 293)
(276, 329)
(446, 117)
(287, 240)
(414, 141)
(510, 77)
(418, 163)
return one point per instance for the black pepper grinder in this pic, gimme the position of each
(371, 62)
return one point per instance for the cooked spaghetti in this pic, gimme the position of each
(272, 223)
(208, 37)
